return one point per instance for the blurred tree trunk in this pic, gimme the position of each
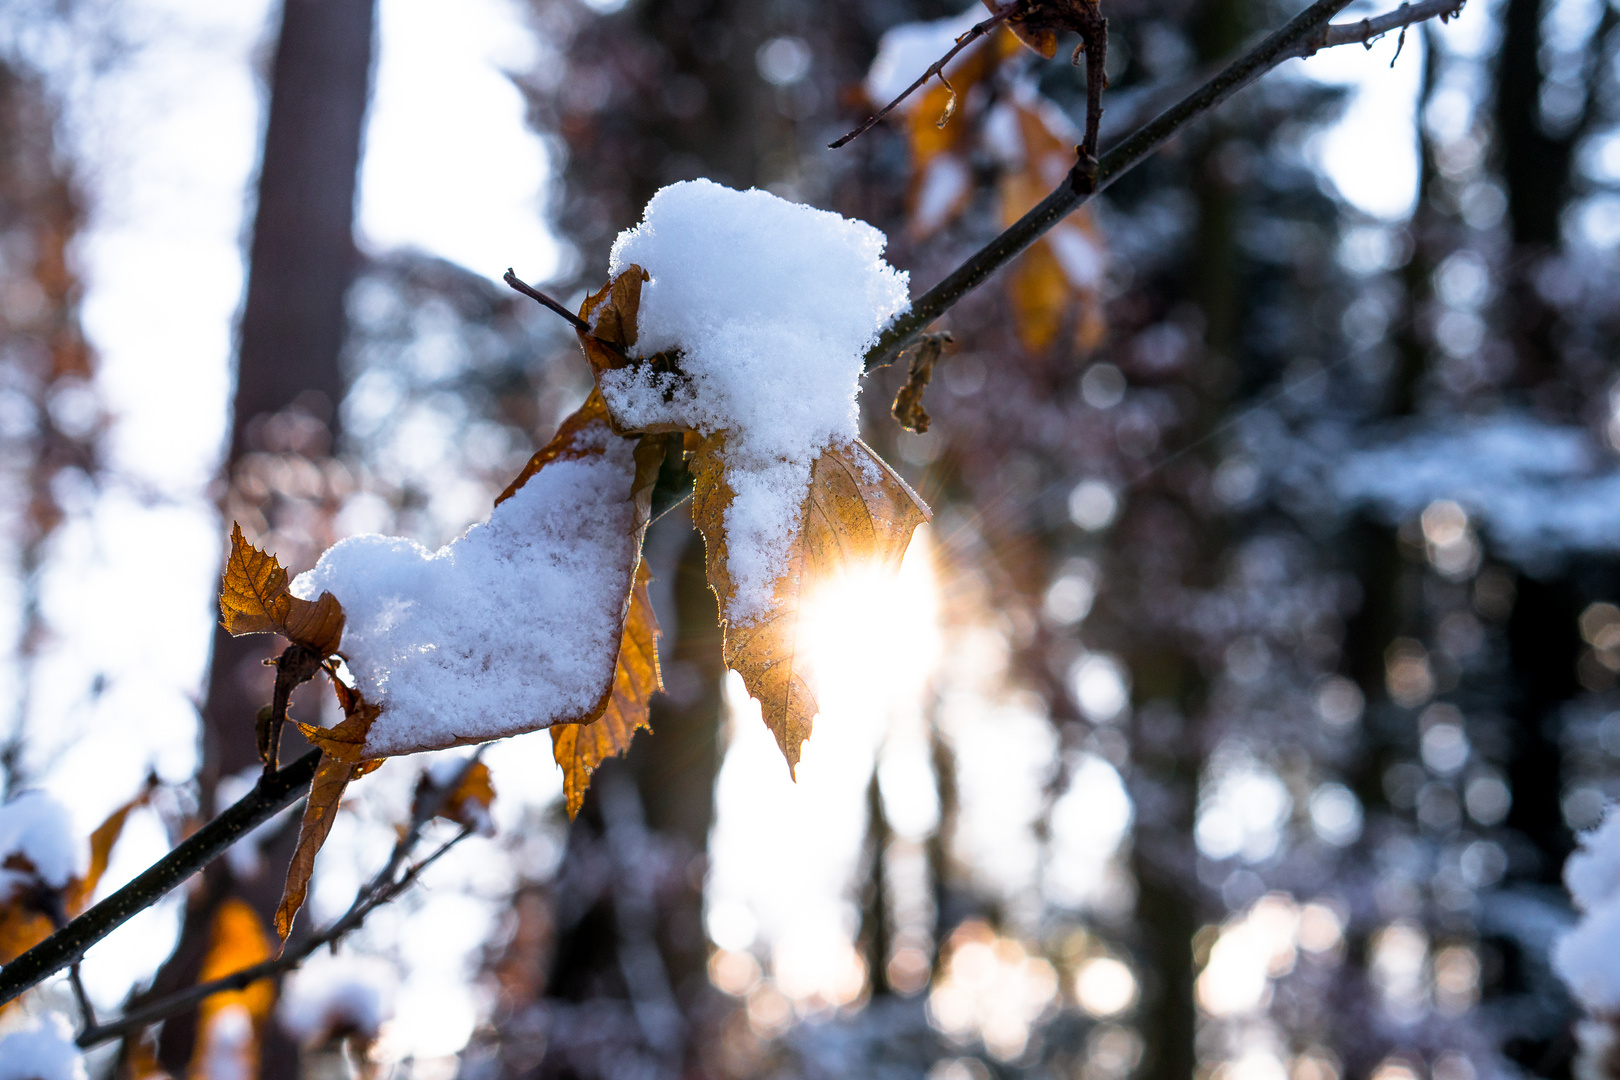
(302, 259)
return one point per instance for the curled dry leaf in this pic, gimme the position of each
(857, 510)
(580, 748)
(332, 776)
(253, 599)
(908, 403)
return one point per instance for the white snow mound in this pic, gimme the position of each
(36, 827)
(513, 626)
(773, 306)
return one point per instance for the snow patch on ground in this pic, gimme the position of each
(511, 627)
(1588, 957)
(772, 305)
(1541, 490)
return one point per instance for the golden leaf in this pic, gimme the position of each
(325, 793)
(237, 941)
(346, 741)
(565, 445)
(857, 510)
(1044, 295)
(78, 892)
(253, 599)
(580, 748)
(475, 790)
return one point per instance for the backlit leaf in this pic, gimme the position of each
(325, 793)
(580, 748)
(857, 511)
(254, 599)
(469, 804)
(101, 845)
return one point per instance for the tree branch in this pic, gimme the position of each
(1303, 35)
(382, 888)
(273, 794)
(937, 68)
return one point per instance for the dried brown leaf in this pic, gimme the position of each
(476, 789)
(908, 403)
(325, 793)
(857, 510)
(580, 748)
(1041, 21)
(253, 599)
(565, 445)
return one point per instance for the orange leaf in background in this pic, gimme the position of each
(580, 748)
(78, 893)
(469, 804)
(1062, 273)
(237, 941)
(253, 599)
(857, 510)
(325, 793)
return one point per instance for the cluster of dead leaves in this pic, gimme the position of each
(255, 598)
(856, 510)
(1057, 283)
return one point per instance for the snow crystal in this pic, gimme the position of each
(772, 306)
(512, 627)
(1588, 957)
(43, 1052)
(36, 827)
(1540, 489)
(334, 995)
(907, 50)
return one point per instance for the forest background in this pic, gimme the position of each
(1235, 714)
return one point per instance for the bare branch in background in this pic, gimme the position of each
(382, 888)
(1305, 34)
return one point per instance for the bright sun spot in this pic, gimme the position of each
(783, 854)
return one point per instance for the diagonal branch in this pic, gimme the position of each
(1303, 35)
(273, 794)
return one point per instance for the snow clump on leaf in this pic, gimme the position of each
(770, 306)
(37, 844)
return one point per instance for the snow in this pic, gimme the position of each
(36, 827)
(773, 306)
(511, 627)
(337, 995)
(907, 50)
(42, 1052)
(1588, 957)
(1541, 490)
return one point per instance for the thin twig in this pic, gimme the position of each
(87, 1014)
(575, 321)
(271, 795)
(535, 294)
(1305, 34)
(936, 68)
(379, 890)
(375, 894)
